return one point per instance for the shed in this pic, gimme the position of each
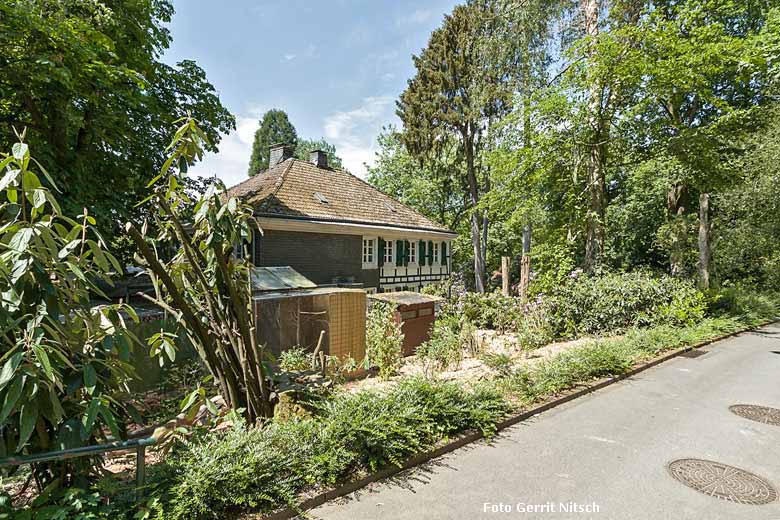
(415, 312)
(297, 317)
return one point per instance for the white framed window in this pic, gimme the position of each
(435, 253)
(412, 252)
(389, 252)
(369, 252)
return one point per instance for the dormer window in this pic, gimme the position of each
(321, 198)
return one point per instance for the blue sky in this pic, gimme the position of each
(336, 67)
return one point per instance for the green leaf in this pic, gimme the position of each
(29, 417)
(11, 398)
(90, 378)
(210, 406)
(98, 255)
(40, 353)
(105, 412)
(8, 178)
(21, 239)
(19, 150)
(89, 418)
(9, 369)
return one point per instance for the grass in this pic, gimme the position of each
(611, 357)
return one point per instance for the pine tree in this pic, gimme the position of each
(457, 90)
(275, 128)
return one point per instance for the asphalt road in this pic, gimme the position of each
(609, 449)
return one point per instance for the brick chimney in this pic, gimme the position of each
(279, 152)
(319, 158)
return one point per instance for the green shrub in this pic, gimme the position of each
(749, 306)
(384, 340)
(533, 329)
(445, 346)
(617, 301)
(499, 363)
(491, 310)
(250, 468)
(295, 359)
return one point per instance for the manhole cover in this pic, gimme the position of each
(762, 414)
(723, 481)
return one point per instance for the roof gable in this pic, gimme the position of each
(299, 189)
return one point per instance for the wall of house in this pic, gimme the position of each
(320, 257)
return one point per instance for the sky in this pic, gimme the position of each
(336, 67)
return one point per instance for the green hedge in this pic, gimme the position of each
(252, 468)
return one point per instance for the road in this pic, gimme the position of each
(608, 450)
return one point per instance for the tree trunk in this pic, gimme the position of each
(705, 252)
(476, 236)
(479, 265)
(596, 157)
(675, 204)
(525, 263)
(505, 263)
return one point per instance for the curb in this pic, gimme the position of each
(469, 437)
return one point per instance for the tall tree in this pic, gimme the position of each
(306, 146)
(433, 188)
(457, 90)
(85, 78)
(275, 128)
(704, 69)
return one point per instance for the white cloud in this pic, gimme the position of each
(232, 161)
(290, 57)
(354, 132)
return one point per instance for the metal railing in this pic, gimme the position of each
(139, 445)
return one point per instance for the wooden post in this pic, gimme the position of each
(505, 275)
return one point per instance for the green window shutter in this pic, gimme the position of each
(421, 252)
(399, 253)
(430, 252)
(407, 247)
(444, 253)
(380, 249)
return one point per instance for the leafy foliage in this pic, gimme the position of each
(204, 286)
(87, 80)
(384, 340)
(65, 364)
(264, 468)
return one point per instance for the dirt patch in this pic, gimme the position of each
(471, 369)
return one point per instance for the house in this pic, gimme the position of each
(336, 229)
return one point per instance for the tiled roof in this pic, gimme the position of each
(299, 189)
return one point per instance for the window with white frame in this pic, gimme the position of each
(389, 258)
(369, 252)
(412, 252)
(435, 253)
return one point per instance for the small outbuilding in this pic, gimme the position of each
(415, 312)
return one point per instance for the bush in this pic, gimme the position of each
(749, 306)
(500, 363)
(295, 359)
(249, 468)
(491, 310)
(445, 346)
(614, 302)
(533, 329)
(384, 340)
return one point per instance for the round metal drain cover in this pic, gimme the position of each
(762, 414)
(723, 481)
